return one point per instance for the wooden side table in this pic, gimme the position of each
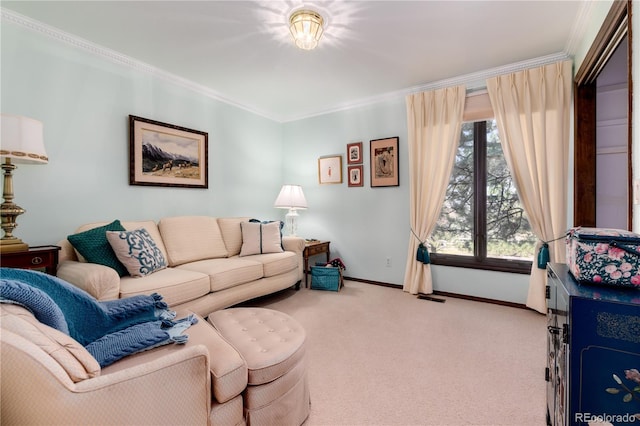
(38, 257)
(312, 248)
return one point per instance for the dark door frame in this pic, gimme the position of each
(616, 25)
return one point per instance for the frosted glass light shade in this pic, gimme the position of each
(306, 28)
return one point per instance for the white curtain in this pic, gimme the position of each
(532, 110)
(434, 122)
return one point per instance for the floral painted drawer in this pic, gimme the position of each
(604, 256)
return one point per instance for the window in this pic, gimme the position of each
(482, 224)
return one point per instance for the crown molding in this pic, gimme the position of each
(118, 58)
(474, 81)
(579, 27)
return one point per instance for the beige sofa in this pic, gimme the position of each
(49, 378)
(205, 272)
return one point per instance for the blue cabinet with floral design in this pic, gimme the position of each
(593, 352)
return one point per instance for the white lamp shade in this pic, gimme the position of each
(291, 197)
(21, 139)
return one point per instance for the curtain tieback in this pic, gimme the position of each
(422, 254)
(543, 253)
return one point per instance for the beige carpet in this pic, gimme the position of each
(380, 356)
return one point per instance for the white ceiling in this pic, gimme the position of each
(242, 52)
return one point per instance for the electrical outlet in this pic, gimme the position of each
(388, 262)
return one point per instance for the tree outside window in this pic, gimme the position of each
(482, 224)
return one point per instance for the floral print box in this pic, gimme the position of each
(604, 256)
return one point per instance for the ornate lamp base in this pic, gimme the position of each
(291, 221)
(9, 211)
(11, 246)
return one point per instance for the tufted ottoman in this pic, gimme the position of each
(273, 346)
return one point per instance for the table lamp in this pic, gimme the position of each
(20, 142)
(291, 197)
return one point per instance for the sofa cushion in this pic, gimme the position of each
(232, 233)
(94, 247)
(69, 354)
(137, 251)
(228, 368)
(226, 273)
(191, 238)
(261, 237)
(175, 285)
(276, 263)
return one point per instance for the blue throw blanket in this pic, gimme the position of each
(109, 330)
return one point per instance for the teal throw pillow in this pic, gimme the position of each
(137, 251)
(95, 248)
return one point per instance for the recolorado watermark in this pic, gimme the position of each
(605, 418)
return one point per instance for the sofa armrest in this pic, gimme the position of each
(295, 244)
(100, 281)
(173, 389)
(228, 369)
(67, 252)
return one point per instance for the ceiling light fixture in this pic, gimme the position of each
(306, 28)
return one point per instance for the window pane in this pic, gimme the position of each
(508, 231)
(454, 231)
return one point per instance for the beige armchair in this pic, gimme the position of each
(49, 378)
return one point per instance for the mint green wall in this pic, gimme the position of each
(368, 225)
(84, 101)
(365, 225)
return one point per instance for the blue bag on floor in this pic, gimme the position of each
(326, 278)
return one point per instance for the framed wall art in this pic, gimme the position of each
(355, 175)
(354, 153)
(162, 154)
(384, 162)
(330, 169)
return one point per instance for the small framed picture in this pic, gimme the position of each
(162, 154)
(384, 162)
(354, 153)
(355, 175)
(330, 169)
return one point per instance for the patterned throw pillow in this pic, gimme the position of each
(94, 247)
(137, 251)
(261, 237)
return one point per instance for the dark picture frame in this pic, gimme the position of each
(162, 154)
(356, 175)
(384, 162)
(354, 153)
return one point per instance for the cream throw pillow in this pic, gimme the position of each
(261, 237)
